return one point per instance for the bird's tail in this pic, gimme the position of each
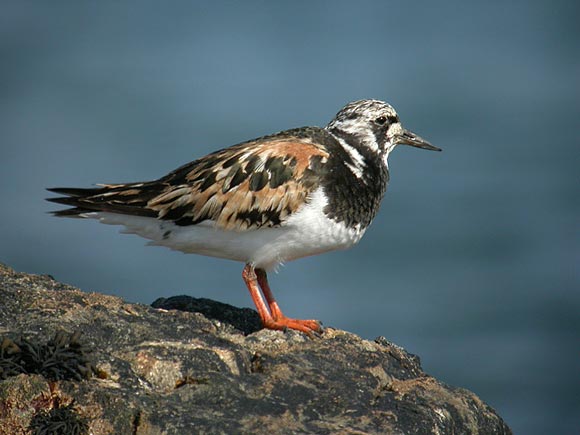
(128, 199)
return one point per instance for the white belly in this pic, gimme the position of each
(307, 232)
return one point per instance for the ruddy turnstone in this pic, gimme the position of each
(266, 201)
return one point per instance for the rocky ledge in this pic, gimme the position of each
(76, 362)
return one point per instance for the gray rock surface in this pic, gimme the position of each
(171, 371)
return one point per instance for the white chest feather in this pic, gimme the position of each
(307, 232)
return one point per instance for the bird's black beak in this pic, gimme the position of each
(407, 137)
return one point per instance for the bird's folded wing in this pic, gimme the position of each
(247, 186)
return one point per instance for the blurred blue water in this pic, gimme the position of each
(472, 262)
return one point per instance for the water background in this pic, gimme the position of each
(473, 260)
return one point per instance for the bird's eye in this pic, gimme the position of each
(381, 120)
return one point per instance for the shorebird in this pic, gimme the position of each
(263, 202)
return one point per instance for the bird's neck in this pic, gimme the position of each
(356, 182)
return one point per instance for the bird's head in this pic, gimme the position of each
(376, 125)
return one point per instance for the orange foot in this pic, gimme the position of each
(309, 327)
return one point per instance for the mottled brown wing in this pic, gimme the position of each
(252, 185)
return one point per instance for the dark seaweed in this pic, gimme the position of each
(57, 421)
(62, 357)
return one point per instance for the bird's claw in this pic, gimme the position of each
(311, 328)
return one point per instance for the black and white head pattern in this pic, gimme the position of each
(363, 127)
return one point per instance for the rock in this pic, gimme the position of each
(165, 370)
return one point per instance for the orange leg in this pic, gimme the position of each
(249, 277)
(263, 283)
(280, 321)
